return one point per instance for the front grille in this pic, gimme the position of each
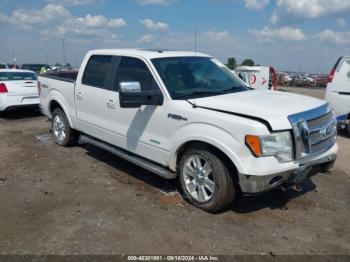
(323, 145)
(314, 131)
(319, 121)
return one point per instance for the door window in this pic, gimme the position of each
(96, 71)
(134, 69)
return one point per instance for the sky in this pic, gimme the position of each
(294, 35)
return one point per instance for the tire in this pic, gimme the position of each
(63, 134)
(212, 189)
(348, 129)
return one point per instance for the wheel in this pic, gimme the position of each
(348, 128)
(63, 134)
(205, 180)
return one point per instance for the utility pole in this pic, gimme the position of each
(14, 57)
(195, 39)
(64, 52)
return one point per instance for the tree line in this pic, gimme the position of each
(232, 63)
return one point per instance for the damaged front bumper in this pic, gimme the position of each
(251, 184)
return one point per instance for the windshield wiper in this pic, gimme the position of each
(217, 92)
(231, 90)
(197, 93)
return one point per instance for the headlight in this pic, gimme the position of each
(279, 144)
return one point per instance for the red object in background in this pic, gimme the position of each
(273, 74)
(331, 75)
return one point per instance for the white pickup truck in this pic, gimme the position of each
(184, 115)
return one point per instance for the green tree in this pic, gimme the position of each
(248, 62)
(58, 65)
(231, 63)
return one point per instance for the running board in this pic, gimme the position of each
(144, 163)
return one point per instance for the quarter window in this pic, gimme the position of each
(96, 71)
(134, 69)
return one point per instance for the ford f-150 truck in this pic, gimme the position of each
(184, 115)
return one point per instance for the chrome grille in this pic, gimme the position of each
(314, 123)
(321, 146)
(314, 131)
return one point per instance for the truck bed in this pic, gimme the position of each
(60, 89)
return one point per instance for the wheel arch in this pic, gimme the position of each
(56, 101)
(231, 165)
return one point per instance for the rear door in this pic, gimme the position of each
(93, 94)
(138, 130)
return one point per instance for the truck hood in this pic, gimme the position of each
(273, 107)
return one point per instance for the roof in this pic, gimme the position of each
(147, 53)
(16, 71)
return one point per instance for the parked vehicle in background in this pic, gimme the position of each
(184, 115)
(321, 80)
(18, 88)
(258, 77)
(35, 67)
(284, 79)
(338, 91)
(13, 66)
(9, 66)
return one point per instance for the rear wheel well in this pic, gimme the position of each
(53, 105)
(226, 160)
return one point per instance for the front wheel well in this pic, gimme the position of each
(226, 160)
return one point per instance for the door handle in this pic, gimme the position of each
(111, 103)
(80, 95)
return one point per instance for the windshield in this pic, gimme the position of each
(190, 77)
(15, 76)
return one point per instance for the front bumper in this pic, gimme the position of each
(251, 184)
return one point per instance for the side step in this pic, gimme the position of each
(144, 163)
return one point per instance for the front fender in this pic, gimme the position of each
(209, 134)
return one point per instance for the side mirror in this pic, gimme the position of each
(131, 95)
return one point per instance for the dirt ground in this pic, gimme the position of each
(82, 200)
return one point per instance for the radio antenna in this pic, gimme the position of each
(195, 54)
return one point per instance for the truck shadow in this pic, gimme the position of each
(275, 199)
(131, 170)
(21, 113)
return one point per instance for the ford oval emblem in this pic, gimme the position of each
(327, 130)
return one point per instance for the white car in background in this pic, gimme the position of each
(18, 88)
(338, 91)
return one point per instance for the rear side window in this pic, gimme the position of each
(96, 70)
(134, 69)
(11, 76)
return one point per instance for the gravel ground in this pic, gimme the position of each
(82, 200)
